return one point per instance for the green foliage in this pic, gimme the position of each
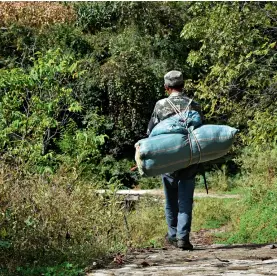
(234, 49)
(219, 179)
(74, 114)
(125, 48)
(133, 45)
(262, 129)
(150, 183)
(66, 37)
(35, 106)
(17, 44)
(258, 172)
(125, 85)
(124, 59)
(111, 170)
(149, 18)
(80, 148)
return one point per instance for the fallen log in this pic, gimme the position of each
(134, 195)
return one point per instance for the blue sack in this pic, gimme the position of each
(187, 120)
(166, 153)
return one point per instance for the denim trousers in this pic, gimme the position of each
(178, 205)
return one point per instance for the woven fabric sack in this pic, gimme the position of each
(166, 153)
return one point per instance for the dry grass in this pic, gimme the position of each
(54, 219)
(147, 223)
(35, 14)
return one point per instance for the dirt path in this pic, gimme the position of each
(205, 259)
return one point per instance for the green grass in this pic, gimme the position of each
(209, 213)
(148, 226)
(258, 224)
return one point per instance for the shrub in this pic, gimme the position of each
(149, 18)
(149, 182)
(262, 129)
(134, 45)
(219, 180)
(17, 44)
(235, 62)
(36, 105)
(124, 91)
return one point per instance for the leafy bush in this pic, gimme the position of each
(133, 50)
(236, 61)
(218, 179)
(112, 170)
(18, 44)
(258, 172)
(262, 129)
(149, 18)
(35, 106)
(149, 183)
(67, 37)
(123, 69)
(122, 89)
(79, 149)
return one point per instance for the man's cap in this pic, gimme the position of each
(173, 78)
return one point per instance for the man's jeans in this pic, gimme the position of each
(178, 205)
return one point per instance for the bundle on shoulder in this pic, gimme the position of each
(180, 141)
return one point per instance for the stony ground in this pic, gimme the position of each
(205, 259)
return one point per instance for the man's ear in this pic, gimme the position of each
(168, 89)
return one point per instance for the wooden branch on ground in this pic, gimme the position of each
(136, 194)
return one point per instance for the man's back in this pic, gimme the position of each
(163, 109)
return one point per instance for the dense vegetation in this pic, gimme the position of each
(78, 82)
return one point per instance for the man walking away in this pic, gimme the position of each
(179, 185)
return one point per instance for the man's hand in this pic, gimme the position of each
(134, 168)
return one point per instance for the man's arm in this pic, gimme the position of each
(197, 107)
(154, 120)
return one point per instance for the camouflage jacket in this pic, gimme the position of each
(164, 110)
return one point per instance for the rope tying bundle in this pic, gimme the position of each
(180, 114)
(178, 111)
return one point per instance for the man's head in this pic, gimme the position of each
(173, 80)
